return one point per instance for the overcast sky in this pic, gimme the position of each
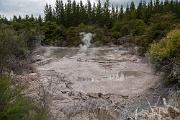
(35, 7)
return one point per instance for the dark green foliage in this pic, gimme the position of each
(48, 13)
(54, 34)
(100, 37)
(73, 13)
(13, 106)
(12, 47)
(17, 38)
(72, 36)
(156, 30)
(142, 21)
(132, 27)
(15, 45)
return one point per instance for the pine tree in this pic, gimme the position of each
(26, 18)
(74, 17)
(19, 19)
(48, 13)
(89, 11)
(157, 6)
(127, 13)
(15, 19)
(112, 11)
(39, 20)
(145, 12)
(58, 11)
(139, 10)
(32, 19)
(106, 14)
(83, 15)
(121, 13)
(132, 6)
(116, 13)
(132, 11)
(78, 14)
(68, 13)
(99, 13)
(117, 10)
(62, 13)
(94, 14)
(166, 5)
(150, 5)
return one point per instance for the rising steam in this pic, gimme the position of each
(86, 40)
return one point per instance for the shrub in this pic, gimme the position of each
(12, 47)
(13, 106)
(122, 27)
(138, 27)
(54, 34)
(154, 33)
(165, 55)
(86, 28)
(72, 36)
(15, 47)
(101, 37)
(133, 27)
(31, 37)
(116, 35)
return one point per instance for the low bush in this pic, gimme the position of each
(13, 106)
(132, 27)
(165, 55)
(54, 34)
(12, 47)
(15, 47)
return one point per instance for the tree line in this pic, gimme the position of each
(73, 13)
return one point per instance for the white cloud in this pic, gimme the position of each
(35, 7)
(21, 7)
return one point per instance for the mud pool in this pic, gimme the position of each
(80, 82)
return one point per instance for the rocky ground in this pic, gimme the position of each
(99, 84)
